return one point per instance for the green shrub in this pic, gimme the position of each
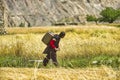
(91, 18)
(22, 25)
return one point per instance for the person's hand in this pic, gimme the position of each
(57, 49)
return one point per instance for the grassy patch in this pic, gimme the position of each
(75, 62)
(91, 61)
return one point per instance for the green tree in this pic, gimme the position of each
(91, 18)
(109, 15)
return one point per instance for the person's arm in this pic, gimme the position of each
(52, 44)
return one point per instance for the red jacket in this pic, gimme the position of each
(52, 43)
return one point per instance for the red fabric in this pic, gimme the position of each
(52, 42)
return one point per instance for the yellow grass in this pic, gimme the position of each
(78, 41)
(19, 30)
(102, 73)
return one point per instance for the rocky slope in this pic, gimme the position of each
(47, 12)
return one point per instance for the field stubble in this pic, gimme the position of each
(101, 73)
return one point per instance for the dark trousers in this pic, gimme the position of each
(50, 55)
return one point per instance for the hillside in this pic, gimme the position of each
(47, 12)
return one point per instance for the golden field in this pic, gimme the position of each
(101, 73)
(79, 41)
